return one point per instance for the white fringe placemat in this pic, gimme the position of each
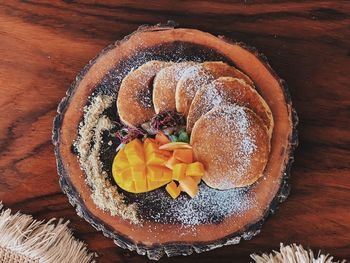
(293, 254)
(23, 239)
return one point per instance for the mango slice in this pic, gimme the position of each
(142, 167)
(183, 155)
(134, 152)
(179, 171)
(138, 173)
(167, 175)
(171, 162)
(173, 189)
(155, 158)
(195, 169)
(189, 186)
(141, 186)
(139, 168)
(197, 179)
(121, 161)
(154, 173)
(152, 185)
(175, 145)
(151, 145)
(162, 138)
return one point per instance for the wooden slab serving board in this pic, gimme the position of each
(44, 44)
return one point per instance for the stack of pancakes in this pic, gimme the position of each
(229, 122)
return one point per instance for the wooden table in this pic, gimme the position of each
(44, 44)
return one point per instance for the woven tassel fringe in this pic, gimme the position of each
(38, 241)
(293, 254)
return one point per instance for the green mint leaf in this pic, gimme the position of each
(173, 138)
(183, 137)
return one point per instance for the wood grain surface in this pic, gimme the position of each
(44, 44)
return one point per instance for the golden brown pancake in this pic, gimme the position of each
(233, 144)
(134, 100)
(228, 90)
(221, 69)
(164, 86)
(199, 75)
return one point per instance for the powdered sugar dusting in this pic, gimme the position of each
(193, 78)
(212, 96)
(209, 206)
(245, 145)
(237, 116)
(232, 127)
(164, 86)
(217, 93)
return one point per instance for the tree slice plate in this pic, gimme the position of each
(104, 73)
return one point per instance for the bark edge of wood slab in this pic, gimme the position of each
(157, 250)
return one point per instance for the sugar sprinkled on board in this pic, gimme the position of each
(209, 206)
(89, 141)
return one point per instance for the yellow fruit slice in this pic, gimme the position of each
(141, 186)
(152, 146)
(155, 173)
(156, 159)
(175, 145)
(125, 175)
(195, 169)
(134, 152)
(162, 138)
(138, 173)
(124, 179)
(167, 175)
(120, 161)
(189, 186)
(179, 171)
(142, 167)
(171, 163)
(183, 155)
(173, 189)
(197, 179)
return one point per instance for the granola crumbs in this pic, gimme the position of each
(89, 141)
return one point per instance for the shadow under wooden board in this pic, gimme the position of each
(44, 44)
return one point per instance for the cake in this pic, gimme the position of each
(126, 113)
